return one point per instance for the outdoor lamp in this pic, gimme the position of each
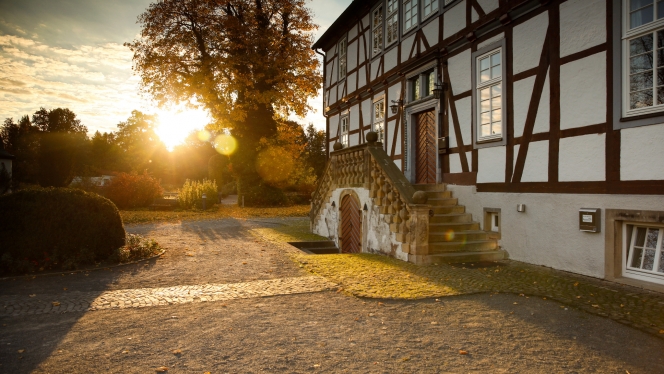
(438, 90)
(395, 105)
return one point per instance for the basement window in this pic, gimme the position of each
(492, 222)
(644, 254)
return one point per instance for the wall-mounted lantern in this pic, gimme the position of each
(395, 105)
(438, 90)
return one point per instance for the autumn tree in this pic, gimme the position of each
(141, 146)
(22, 140)
(248, 62)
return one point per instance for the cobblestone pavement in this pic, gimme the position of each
(15, 305)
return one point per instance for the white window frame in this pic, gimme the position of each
(627, 35)
(410, 5)
(479, 86)
(433, 5)
(391, 21)
(448, 2)
(377, 30)
(628, 252)
(378, 123)
(344, 126)
(342, 58)
(419, 81)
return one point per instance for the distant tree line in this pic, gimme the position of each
(52, 147)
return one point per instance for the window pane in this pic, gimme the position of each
(640, 81)
(485, 75)
(485, 94)
(496, 129)
(660, 268)
(496, 72)
(636, 258)
(660, 9)
(485, 106)
(484, 63)
(641, 63)
(660, 96)
(638, 4)
(649, 259)
(651, 238)
(496, 103)
(496, 115)
(485, 118)
(640, 99)
(495, 59)
(496, 90)
(641, 17)
(485, 130)
(640, 45)
(640, 236)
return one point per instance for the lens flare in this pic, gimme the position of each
(225, 144)
(274, 164)
(449, 235)
(204, 135)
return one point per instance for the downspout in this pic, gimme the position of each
(327, 125)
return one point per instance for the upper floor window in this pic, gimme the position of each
(392, 29)
(344, 131)
(379, 119)
(377, 30)
(342, 58)
(643, 57)
(489, 95)
(429, 7)
(409, 14)
(422, 85)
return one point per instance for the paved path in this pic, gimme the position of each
(16, 305)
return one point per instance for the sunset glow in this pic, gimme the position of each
(175, 125)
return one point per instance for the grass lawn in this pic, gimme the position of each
(146, 215)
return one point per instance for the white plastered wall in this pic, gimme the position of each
(491, 165)
(523, 91)
(459, 68)
(536, 168)
(454, 20)
(642, 153)
(582, 158)
(548, 232)
(528, 42)
(583, 92)
(582, 25)
(376, 234)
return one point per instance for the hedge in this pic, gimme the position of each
(57, 228)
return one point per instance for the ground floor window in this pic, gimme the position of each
(644, 255)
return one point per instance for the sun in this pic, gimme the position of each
(176, 124)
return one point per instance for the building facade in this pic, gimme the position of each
(555, 107)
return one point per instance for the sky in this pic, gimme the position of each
(70, 54)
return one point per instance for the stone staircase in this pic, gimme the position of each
(453, 235)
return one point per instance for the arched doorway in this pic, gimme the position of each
(351, 236)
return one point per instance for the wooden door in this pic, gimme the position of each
(351, 238)
(425, 148)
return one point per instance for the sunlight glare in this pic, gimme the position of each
(176, 124)
(225, 144)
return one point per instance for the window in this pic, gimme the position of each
(643, 57)
(392, 30)
(429, 6)
(344, 131)
(489, 95)
(645, 252)
(343, 49)
(422, 85)
(377, 30)
(379, 119)
(409, 14)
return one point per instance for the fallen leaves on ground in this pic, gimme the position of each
(224, 211)
(55, 303)
(462, 352)
(21, 350)
(177, 352)
(161, 369)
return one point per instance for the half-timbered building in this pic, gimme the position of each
(463, 130)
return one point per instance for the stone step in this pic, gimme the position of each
(457, 257)
(461, 246)
(449, 209)
(454, 226)
(439, 194)
(457, 236)
(430, 187)
(443, 202)
(449, 218)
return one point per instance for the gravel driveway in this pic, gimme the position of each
(311, 330)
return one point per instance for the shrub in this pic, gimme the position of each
(132, 190)
(191, 194)
(57, 228)
(137, 248)
(229, 189)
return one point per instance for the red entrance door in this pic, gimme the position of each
(425, 148)
(350, 225)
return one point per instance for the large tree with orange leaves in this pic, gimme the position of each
(248, 62)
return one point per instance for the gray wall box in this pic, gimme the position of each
(590, 220)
